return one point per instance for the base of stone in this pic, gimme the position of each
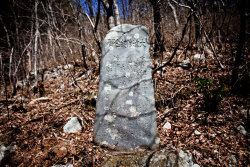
(149, 159)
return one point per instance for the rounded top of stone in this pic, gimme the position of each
(127, 27)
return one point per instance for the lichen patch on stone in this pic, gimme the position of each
(136, 36)
(109, 117)
(127, 74)
(133, 111)
(113, 133)
(107, 87)
(106, 108)
(129, 102)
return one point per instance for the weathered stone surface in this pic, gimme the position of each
(125, 115)
(150, 159)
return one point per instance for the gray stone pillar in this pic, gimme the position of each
(125, 114)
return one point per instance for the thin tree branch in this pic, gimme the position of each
(209, 41)
(65, 59)
(176, 48)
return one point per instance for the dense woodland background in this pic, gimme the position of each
(50, 52)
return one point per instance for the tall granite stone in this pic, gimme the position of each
(125, 114)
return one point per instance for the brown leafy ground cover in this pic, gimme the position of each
(182, 99)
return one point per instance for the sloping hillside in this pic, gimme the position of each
(195, 112)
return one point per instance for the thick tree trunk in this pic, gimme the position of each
(110, 15)
(159, 42)
(241, 41)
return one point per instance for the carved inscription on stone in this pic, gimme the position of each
(132, 42)
(125, 114)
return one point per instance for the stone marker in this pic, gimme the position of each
(125, 114)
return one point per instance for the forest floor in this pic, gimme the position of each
(204, 115)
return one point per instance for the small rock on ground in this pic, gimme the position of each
(72, 126)
(242, 130)
(199, 57)
(167, 126)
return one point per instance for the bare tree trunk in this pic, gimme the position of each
(52, 14)
(132, 14)
(159, 42)
(84, 57)
(36, 42)
(17, 32)
(6, 95)
(1, 62)
(2, 72)
(110, 15)
(6, 31)
(29, 61)
(98, 16)
(89, 2)
(175, 15)
(10, 65)
(11, 78)
(197, 30)
(107, 4)
(51, 44)
(123, 10)
(116, 13)
(241, 42)
(80, 34)
(50, 41)
(30, 51)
